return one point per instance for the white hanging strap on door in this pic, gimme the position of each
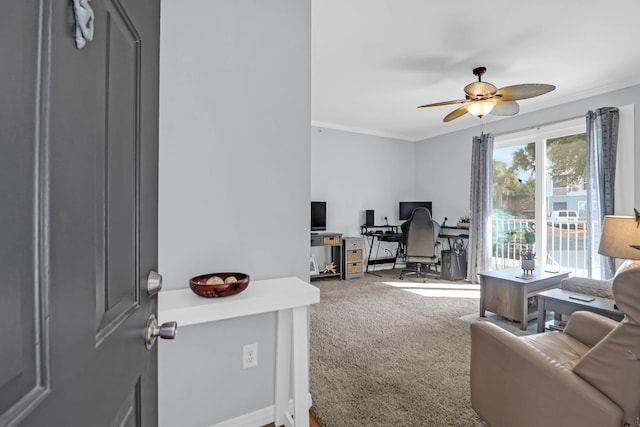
(84, 22)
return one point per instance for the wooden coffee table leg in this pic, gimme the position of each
(524, 320)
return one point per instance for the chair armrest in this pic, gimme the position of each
(514, 384)
(589, 328)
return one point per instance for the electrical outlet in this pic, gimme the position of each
(249, 356)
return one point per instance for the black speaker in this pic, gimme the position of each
(369, 222)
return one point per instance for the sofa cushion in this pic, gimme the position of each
(559, 347)
(594, 287)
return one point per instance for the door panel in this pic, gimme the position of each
(23, 370)
(117, 292)
(126, 416)
(78, 222)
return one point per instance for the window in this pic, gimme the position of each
(538, 184)
(582, 208)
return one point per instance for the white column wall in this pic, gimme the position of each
(235, 79)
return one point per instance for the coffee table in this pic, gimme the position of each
(506, 292)
(559, 301)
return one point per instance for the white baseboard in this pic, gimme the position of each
(257, 418)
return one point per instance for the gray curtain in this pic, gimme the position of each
(481, 206)
(602, 143)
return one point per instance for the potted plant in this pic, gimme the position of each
(464, 221)
(527, 259)
(530, 233)
(512, 234)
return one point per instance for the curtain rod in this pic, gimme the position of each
(538, 126)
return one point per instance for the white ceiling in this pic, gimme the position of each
(375, 61)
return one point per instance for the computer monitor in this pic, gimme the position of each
(318, 216)
(406, 208)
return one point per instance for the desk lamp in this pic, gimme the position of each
(620, 239)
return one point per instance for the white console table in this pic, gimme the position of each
(290, 298)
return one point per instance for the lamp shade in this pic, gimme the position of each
(619, 234)
(482, 108)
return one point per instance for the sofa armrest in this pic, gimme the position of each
(514, 384)
(589, 328)
(594, 287)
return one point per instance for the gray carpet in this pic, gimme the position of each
(386, 352)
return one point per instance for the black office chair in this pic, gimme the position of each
(420, 234)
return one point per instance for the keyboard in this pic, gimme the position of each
(391, 237)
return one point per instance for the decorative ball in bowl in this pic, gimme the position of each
(215, 285)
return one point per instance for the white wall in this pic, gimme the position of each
(446, 159)
(234, 185)
(234, 142)
(354, 172)
(443, 170)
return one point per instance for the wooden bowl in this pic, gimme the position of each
(199, 286)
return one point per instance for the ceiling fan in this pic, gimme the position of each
(483, 98)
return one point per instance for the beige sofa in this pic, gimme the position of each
(588, 375)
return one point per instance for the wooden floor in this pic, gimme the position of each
(312, 422)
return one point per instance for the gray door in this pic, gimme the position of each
(78, 221)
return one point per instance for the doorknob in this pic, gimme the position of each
(154, 283)
(167, 330)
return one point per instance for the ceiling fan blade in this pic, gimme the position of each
(505, 108)
(456, 113)
(437, 104)
(524, 91)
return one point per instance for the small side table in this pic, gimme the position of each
(558, 301)
(288, 297)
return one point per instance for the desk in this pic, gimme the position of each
(378, 229)
(452, 233)
(382, 233)
(289, 297)
(389, 233)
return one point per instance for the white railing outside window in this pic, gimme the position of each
(565, 248)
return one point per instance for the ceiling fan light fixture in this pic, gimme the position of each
(480, 90)
(481, 108)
